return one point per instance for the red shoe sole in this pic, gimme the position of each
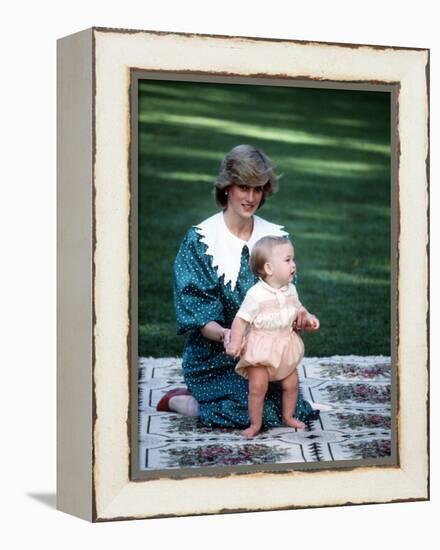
(163, 404)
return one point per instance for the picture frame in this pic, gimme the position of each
(96, 302)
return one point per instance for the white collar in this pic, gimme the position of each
(226, 248)
(269, 288)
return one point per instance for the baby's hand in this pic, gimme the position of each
(233, 351)
(312, 323)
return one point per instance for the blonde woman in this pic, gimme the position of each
(211, 278)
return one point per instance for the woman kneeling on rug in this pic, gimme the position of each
(211, 277)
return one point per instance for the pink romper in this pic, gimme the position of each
(270, 340)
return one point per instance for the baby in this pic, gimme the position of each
(263, 335)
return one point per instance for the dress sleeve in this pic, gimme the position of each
(196, 286)
(249, 308)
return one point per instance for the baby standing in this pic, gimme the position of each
(262, 333)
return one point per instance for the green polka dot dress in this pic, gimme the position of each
(200, 296)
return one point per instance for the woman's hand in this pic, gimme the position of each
(226, 338)
(227, 341)
(214, 331)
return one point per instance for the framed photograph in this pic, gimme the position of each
(151, 273)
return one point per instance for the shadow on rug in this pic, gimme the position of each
(356, 422)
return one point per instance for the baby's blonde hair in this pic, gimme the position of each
(262, 251)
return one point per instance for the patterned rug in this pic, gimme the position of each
(355, 421)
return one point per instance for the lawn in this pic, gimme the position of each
(332, 148)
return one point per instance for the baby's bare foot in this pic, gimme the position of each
(294, 423)
(251, 431)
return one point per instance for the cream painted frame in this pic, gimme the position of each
(93, 391)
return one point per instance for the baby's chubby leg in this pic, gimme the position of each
(290, 397)
(258, 384)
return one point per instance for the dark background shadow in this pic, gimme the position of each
(48, 499)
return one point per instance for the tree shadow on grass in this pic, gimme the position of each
(333, 149)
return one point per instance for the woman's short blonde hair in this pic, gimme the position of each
(245, 165)
(262, 251)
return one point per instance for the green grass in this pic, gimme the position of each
(333, 150)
